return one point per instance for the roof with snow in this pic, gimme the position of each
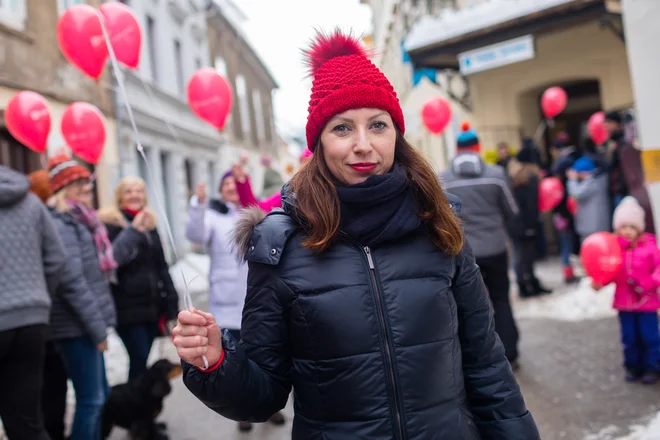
(458, 25)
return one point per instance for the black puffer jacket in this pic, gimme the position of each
(144, 289)
(395, 342)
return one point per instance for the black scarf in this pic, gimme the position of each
(379, 209)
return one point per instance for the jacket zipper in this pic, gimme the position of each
(388, 345)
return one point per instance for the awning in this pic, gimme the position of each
(436, 41)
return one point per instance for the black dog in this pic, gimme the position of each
(136, 404)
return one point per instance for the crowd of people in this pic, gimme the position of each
(374, 288)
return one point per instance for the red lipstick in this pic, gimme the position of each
(363, 167)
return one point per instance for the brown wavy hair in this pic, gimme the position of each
(318, 205)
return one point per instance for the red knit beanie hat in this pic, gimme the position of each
(63, 170)
(345, 79)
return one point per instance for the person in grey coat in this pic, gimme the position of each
(84, 309)
(589, 186)
(488, 205)
(31, 259)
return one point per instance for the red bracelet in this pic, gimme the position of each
(214, 366)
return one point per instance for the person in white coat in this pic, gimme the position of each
(210, 223)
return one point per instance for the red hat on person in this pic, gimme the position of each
(63, 170)
(345, 79)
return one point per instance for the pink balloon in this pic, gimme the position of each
(28, 120)
(551, 193)
(601, 257)
(84, 131)
(596, 128)
(80, 37)
(124, 32)
(436, 115)
(553, 102)
(210, 97)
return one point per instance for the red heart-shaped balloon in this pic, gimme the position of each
(28, 120)
(84, 131)
(124, 31)
(210, 97)
(80, 37)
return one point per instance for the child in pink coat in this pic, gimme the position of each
(636, 294)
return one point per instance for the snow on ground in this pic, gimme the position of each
(651, 431)
(570, 304)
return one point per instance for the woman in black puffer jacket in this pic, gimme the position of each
(144, 292)
(362, 295)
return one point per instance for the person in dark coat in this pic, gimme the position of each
(362, 292)
(626, 173)
(525, 175)
(147, 302)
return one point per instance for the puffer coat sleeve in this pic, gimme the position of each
(75, 291)
(492, 392)
(253, 381)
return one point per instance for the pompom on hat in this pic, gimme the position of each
(64, 170)
(468, 138)
(345, 79)
(629, 213)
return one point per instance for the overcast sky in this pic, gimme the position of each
(278, 29)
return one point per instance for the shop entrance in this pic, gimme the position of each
(583, 101)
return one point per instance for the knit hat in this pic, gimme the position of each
(562, 140)
(629, 213)
(584, 165)
(64, 170)
(526, 155)
(468, 137)
(345, 79)
(613, 116)
(40, 185)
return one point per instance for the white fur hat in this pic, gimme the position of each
(629, 212)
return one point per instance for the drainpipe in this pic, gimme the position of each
(640, 20)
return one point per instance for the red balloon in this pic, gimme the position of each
(551, 193)
(124, 32)
(601, 257)
(210, 97)
(553, 102)
(436, 115)
(572, 206)
(84, 131)
(80, 37)
(596, 128)
(28, 120)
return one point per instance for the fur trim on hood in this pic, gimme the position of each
(242, 236)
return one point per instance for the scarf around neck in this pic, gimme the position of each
(381, 208)
(88, 217)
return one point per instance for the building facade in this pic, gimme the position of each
(181, 150)
(511, 51)
(251, 127)
(31, 60)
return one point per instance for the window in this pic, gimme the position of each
(259, 115)
(151, 38)
(221, 66)
(13, 13)
(243, 104)
(198, 64)
(178, 61)
(62, 5)
(188, 169)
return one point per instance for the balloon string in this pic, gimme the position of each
(187, 299)
(540, 130)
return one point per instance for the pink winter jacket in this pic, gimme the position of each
(247, 198)
(638, 281)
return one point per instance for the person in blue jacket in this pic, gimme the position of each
(363, 295)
